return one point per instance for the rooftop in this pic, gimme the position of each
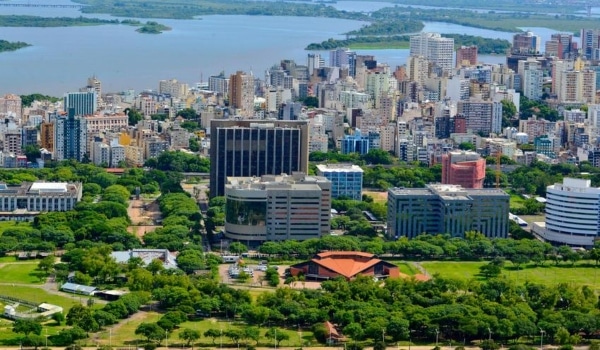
(341, 168)
(49, 186)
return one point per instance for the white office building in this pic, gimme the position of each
(572, 214)
(435, 48)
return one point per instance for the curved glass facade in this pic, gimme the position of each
(246, 212)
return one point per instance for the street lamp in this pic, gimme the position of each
(542, 338)
(409, 338)
(166, 339)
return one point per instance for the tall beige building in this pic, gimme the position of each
(577, 87)
(10, 103)
(241, 93)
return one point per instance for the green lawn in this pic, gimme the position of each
(8, 224)
(516, 201)
(6, 259)
(124, 334)
(20, 273)
(38, 295)
(453, 269)
(580, 274)
(406, 267)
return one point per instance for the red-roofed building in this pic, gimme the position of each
(328, 265)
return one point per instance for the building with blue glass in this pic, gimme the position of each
(346, 179)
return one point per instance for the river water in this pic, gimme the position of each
(61, 59)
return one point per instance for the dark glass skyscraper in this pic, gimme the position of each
(245, 148)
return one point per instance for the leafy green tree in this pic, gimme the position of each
(189, 335)
(235, 334)
(252, 333)
(466, 146)
(46, 264)
(277, 337)
(82, 317)
(27, 326)
(272, 276)
(213, 333)
(133, 116)
(32, 152)
(238, 248)
(151, 331)
(188, 113)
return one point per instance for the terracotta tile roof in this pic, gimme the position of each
(346, 266)
(344, 253)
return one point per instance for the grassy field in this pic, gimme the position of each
(406, 267)
(580, 274)
(37, 295)
(20, 273)
(378, 197)
(8, 224)
(124, 334)
(516, 201)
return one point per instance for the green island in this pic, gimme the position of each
(187, 9)
(36, 21)
(152, 28)
(484, 45)
(511, 5)
(12, 46)
(385, 26)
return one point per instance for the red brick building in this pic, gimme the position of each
(466, 55)
(328, 265)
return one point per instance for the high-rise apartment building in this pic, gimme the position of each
(315, 61)
(466, 56)
(526, 43)
(47, 136)
(29, 136)
(70, 137)
(447, 209)
(561, 46)
(479, 116)
(533, 83)
(173, 88)
(245, 148)
(590, 43)
(277, 208)
(82, 103)
(241, 93)
(10, 104)
(434, 48)
(577, 87)
(466, 169)
(219, 84)
(12, 141)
